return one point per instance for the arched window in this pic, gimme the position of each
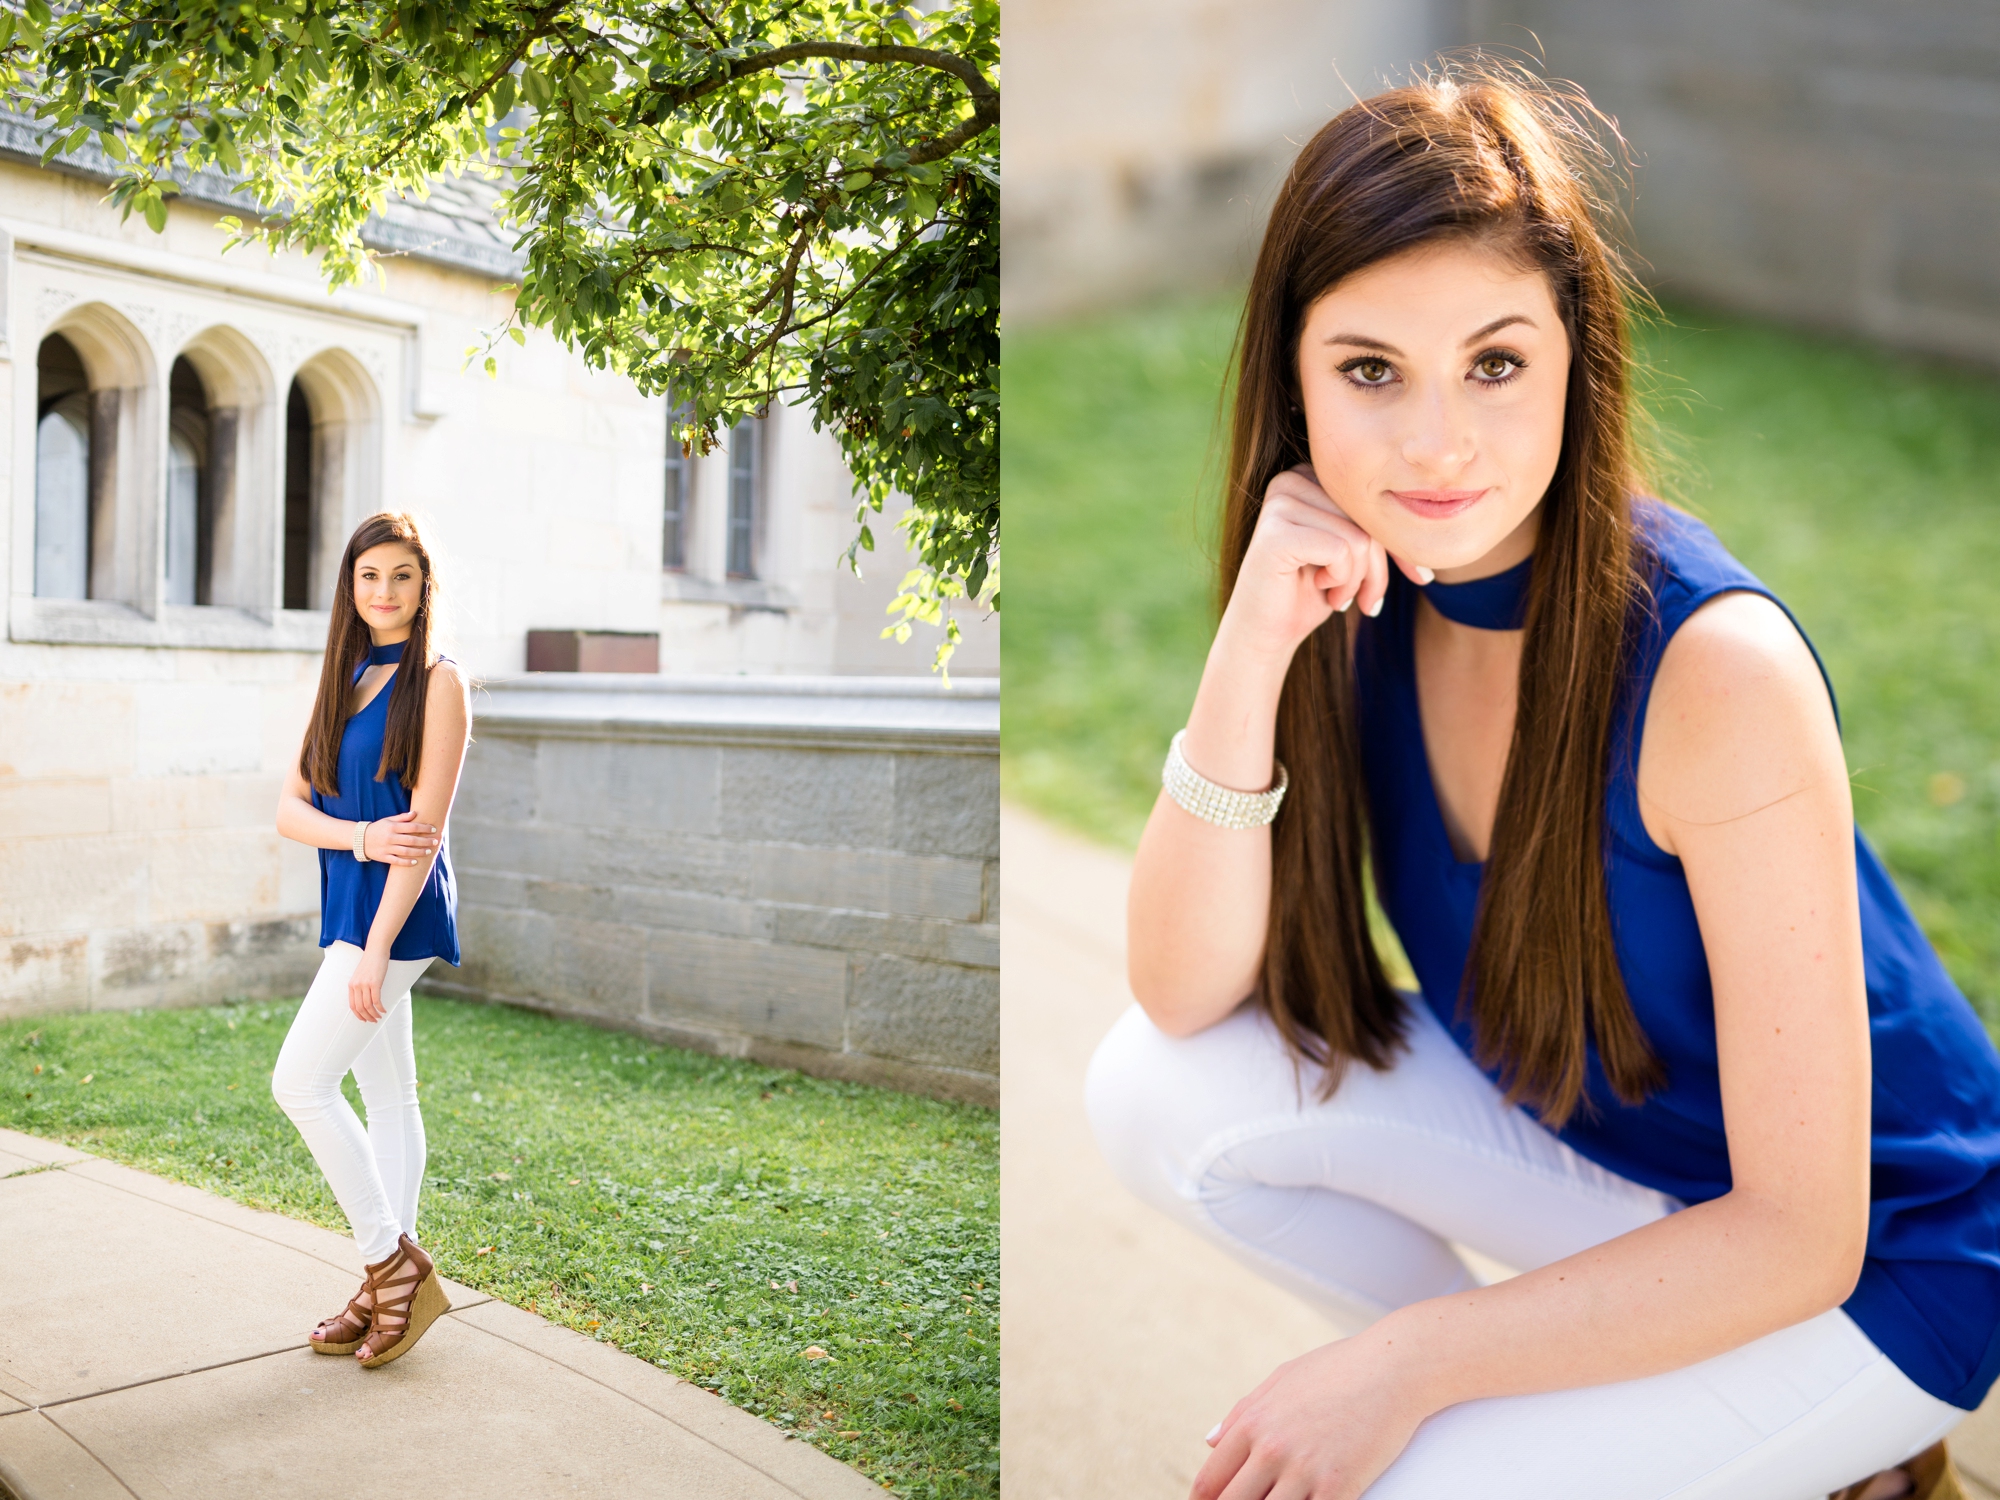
(96, 469)
(300, 528)
(746, 495)
(190, 490)
(62, 472)
(332, 470)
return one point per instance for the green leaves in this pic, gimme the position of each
(746, 203)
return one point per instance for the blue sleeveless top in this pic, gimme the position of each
(349, 891)
(1929, 1293)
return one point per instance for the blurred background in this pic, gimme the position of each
(1816, 204)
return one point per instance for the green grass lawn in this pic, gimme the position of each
(1862, 486)
(716, 1217)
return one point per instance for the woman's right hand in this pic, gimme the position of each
(1305, 561)
(400, 840)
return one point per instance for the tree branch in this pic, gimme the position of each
(786, 279)
(985, 98)
(719, 34)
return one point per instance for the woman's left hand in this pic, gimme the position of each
(1323, 1427)
(364, 986)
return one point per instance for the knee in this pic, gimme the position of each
(385, 1098)
(1129, 1093)
(297, 1092)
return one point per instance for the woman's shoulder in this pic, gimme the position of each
(1716, 621)
(1740, 713)
(449, 682)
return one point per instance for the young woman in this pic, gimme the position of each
(371, 790)
(1681, 1055)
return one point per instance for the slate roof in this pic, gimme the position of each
(454, 226)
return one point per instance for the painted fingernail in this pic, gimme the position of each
(1341, 608)
(1373, 610)
(1213, 1433)
(1425, 575)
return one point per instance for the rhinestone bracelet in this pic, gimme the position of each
(1219, 805)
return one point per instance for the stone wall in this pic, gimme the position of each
(1827, 162)
(1830, 162)
(1144, 139)
(139, 864)
(799, 870)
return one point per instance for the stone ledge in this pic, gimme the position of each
(106, 622)
(736, 593)
(865, 713)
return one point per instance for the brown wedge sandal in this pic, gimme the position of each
(1928, 1476)
(343, 1333)
(408, 1299)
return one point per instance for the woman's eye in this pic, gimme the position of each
(1368, 371)
(1493, 368)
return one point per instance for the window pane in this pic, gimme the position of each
(298, 499)
(183, 510)
(679, 483)
(743, 496)
(62, 471)
(62, 504)
(188, 573)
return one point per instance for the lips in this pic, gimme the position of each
(1437, 505)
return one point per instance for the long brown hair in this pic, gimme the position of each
(347, 643)
(1488, 152)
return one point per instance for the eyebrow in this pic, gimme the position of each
(1363, 341)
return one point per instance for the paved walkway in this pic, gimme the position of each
(1124, 1338)
(151, 1346)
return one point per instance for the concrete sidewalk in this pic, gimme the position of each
(1124, 1338)
(152, 1346)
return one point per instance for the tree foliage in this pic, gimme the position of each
(734, 203)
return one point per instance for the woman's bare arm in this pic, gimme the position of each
(447, 723)
(391, 840)
(1200, 897)
(1741, 776)
(303, 823)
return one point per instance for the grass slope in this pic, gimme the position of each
(716, 1217)
(1856, 483)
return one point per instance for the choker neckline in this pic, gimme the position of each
(379, 655)
(1499, 602)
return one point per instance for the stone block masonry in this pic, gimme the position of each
(1831, 164)
(139, 864)
(799, 870)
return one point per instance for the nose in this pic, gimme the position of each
(1439, 442)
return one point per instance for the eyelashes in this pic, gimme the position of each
(1371, 372)
(1512, 362)
(1353, 369)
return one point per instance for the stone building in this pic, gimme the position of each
(1145, 138)
(189, 438)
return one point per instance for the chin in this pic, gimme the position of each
(1441, 546)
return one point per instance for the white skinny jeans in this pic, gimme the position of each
(1351, 1203)
(375, 1173)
